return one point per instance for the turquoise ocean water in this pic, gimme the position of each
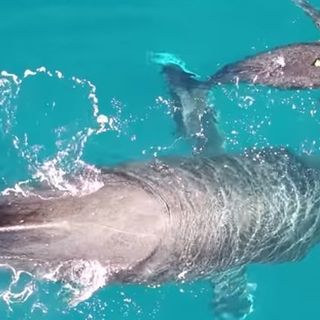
(78, 87)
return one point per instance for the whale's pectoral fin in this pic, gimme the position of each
(192, 112)
(311, 11)
(232, 295)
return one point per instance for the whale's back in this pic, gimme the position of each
(119, 226)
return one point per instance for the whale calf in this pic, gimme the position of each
(293, 66)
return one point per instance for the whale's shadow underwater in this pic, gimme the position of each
(185, 218)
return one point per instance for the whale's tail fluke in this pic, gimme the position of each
(194, 116)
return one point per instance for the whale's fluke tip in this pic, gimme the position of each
(165, 59)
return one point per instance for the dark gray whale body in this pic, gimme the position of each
(173, 219)
(295, 66)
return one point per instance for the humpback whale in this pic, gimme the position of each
(292, 66)
(172, 219)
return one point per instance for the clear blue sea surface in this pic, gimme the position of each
(78, 87)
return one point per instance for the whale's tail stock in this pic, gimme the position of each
(195, 117)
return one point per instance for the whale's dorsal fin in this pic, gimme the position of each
(232, 294)
(194, 116)
(311, 11)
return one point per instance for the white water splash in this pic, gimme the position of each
(92, 95)
(88, 180)
(19, 289)
(82, 278)
(56, 170)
